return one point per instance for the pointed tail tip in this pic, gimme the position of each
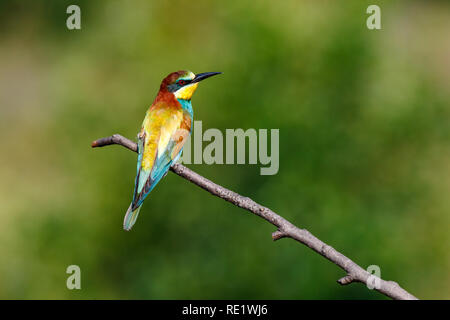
(130, 217)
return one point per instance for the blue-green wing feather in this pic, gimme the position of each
(133, 212)
(141, 174)
(148, 179)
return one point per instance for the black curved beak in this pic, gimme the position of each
(202, 76)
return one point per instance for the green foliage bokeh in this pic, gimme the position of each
(364, 147)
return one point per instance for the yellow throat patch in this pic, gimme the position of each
(186, 92)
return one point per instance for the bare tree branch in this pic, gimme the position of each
(285, 229)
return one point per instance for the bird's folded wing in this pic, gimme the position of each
(141, 174)
(165, 134)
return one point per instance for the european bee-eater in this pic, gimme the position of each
(166, 127)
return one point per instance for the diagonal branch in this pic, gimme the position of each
(285, 229)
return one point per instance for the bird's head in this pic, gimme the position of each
(184, 83)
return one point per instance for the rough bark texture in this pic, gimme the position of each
(285, 229)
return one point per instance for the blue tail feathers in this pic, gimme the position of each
(131, 217)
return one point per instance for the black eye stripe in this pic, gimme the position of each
(182, 82)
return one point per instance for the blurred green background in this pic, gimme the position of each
(364, 121)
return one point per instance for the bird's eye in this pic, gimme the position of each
(181, 82)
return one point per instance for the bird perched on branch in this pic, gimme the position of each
(166, 127)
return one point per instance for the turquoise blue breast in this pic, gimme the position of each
(187, 105)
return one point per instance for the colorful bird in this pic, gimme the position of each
(166, 127)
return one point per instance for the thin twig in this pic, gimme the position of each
(285, 229)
